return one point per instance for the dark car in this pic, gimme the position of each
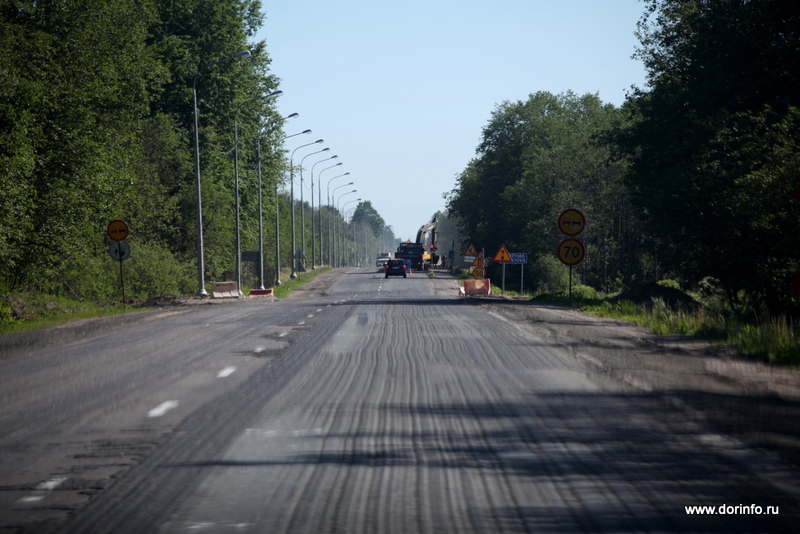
(394, 268)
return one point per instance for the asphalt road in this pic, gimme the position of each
(386, 405)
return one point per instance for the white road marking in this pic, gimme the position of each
(51, 484)
(285, 433)
(302, 322)
(311, 315)
(228, 371)
(283, 334)
(163, 408)
(319, 310)
(259, 349)
(48, 485)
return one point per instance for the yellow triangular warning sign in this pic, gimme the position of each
(502, 255)
(478, 262)
(470, 251)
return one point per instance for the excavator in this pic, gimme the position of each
(421, 255)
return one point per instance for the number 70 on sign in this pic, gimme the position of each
(571, 252)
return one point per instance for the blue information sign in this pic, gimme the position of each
(519, 257)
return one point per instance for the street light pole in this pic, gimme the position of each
(319, 217)
(278, 218)
(338, 212)
(291, 178)
(330, 215)
(260, 215)
(344, 222)
(303, 208)
(313, 245)
(236, 180)
(201, 291)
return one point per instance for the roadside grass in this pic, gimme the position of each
(288, 285)
(22, 312)
(770, 339)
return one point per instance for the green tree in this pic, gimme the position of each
(82, 73)
(713, 142)
(538, 158)
(366, 214)
(97, 123)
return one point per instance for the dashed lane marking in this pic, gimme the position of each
(226, 372)
(163, 408)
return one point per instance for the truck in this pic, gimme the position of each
(413, 252)
(382, 259)
(420, 255)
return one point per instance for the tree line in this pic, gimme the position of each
(690, 179)
(97, 123)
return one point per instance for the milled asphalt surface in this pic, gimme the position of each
(363, 405)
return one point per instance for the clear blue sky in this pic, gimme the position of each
(401, 91)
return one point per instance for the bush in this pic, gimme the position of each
(585, 292)
(552, 275)
(153, 270)
(669, 283)
(6, 318)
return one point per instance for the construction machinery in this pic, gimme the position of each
(422, 255)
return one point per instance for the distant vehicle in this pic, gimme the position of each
(395, 268)
(421, 255)
(412, 252)
(381, 263)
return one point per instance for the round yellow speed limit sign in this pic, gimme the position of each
(477, 273)
(571, 252)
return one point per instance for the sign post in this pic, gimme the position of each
(522, 259)
(476, 268)
(502, 256)
(571, 252)
(118, 230)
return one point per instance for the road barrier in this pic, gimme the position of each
(476, 287)
(223, 290)
(261, 293)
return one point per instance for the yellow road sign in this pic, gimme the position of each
(571, 252)
(571, 222)
(502, 255)
(117, 230)
(470, 251)
(478, 261)
(477, 273)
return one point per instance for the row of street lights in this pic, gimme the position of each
(332, 256)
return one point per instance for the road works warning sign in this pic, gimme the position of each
(502, 255)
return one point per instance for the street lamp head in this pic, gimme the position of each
(334, 157)
(243, 53)
(276, 93)
(306, 131)
(291, 116)
(319, 140)
(351, 183)
(326, 149)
